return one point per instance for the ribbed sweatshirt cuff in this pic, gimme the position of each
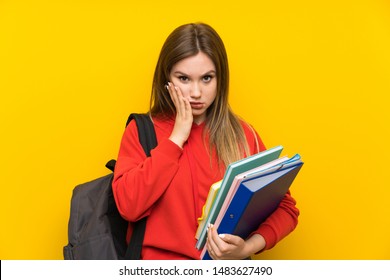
(269, 236)
(170, 149)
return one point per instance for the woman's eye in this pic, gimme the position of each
(183, 78)
(207, 78)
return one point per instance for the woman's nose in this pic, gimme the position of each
(195, 91)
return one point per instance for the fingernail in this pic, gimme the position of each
(221, 235)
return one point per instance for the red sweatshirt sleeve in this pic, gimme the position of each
(140, 181)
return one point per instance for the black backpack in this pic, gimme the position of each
(96, 231)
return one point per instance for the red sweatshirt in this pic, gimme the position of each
(171, 187)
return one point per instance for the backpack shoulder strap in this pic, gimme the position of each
(146, 133)
(148, 140)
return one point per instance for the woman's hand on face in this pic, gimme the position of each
(184, 118)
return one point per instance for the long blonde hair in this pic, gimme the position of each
(226, 135)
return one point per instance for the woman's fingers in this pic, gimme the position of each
(184, 118)
(182, 104)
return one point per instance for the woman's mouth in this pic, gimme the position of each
(197, 105)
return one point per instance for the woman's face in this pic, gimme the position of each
(197, 79)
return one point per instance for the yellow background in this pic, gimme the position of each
(312, 76)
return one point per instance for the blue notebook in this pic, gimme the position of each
(233, 170)
(254, 201)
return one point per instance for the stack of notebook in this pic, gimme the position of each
(249, 192)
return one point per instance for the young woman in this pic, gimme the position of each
(198, 136)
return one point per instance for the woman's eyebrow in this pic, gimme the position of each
(180, 73)
(184, 74)
(209, 72)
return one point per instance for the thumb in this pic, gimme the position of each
(229, 238)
